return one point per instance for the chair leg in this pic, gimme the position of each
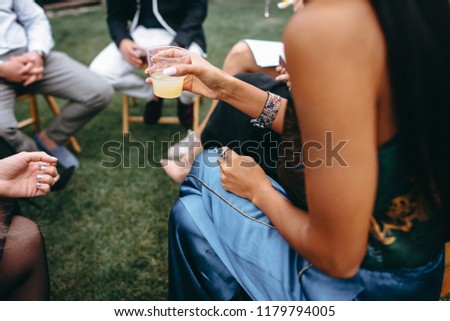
(55, 111)
(127, 119)
(196, 112)
(32, 106)
(125, 114)
(34, 115)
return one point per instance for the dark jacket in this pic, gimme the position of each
(185, 17)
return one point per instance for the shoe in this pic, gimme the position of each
(65, 174)
(152, 111)
(65, 158)
(185, 114)
(181, 148)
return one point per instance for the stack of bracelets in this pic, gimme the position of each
(269, 112)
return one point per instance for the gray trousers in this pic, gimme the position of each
(63, 77)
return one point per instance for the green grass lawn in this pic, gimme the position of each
(106, 233)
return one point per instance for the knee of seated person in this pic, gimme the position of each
(238, 53)
(102, 97)
(206, 161)
(180, 220)
(107, 93)
(24, 236)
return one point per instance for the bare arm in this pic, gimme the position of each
(335, 74)
(209, 81)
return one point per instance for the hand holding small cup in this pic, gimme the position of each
(163, 57)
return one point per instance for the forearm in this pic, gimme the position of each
(308, 236)
(1, 69)
(250, 100)
(290, 221)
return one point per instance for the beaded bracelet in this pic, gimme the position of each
(269, 112)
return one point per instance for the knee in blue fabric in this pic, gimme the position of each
(195, 270)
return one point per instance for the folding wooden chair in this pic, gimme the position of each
(33, 120)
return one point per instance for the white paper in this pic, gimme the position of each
(266, 53)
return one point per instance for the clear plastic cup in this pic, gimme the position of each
(160, 58)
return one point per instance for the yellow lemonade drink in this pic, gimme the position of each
(167, 86)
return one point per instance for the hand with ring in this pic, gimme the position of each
(241, 175)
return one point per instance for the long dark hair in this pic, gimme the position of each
(417, 34)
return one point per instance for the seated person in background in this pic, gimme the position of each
(23, 262)
(137, 25)
(28, 65)
(362, 210)
(244, 59)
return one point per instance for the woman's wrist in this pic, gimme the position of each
(228, 87)
(243, 96)
(261, 192)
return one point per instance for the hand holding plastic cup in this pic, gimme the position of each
(160, 58)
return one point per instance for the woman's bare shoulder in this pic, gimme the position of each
(340, 26)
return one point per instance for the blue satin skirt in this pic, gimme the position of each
(222, 247)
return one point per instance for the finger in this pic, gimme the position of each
(26, 82)
(135, 61)
(247, 161)
(130, 56)
(37, 70)
(134, 54)
(42, 189)
(226, 156)
(220, 155)
(29, 81)
(39, 157)
(220, 161)
(222, 151)
(169, 53)
(26, 68)
(45, 179)
(13, 58)
(142, 49)
(49, 170)
(176, 71)
(186, 68)
(223, 177)
(282, 78)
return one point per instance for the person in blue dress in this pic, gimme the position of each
(361, 206)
